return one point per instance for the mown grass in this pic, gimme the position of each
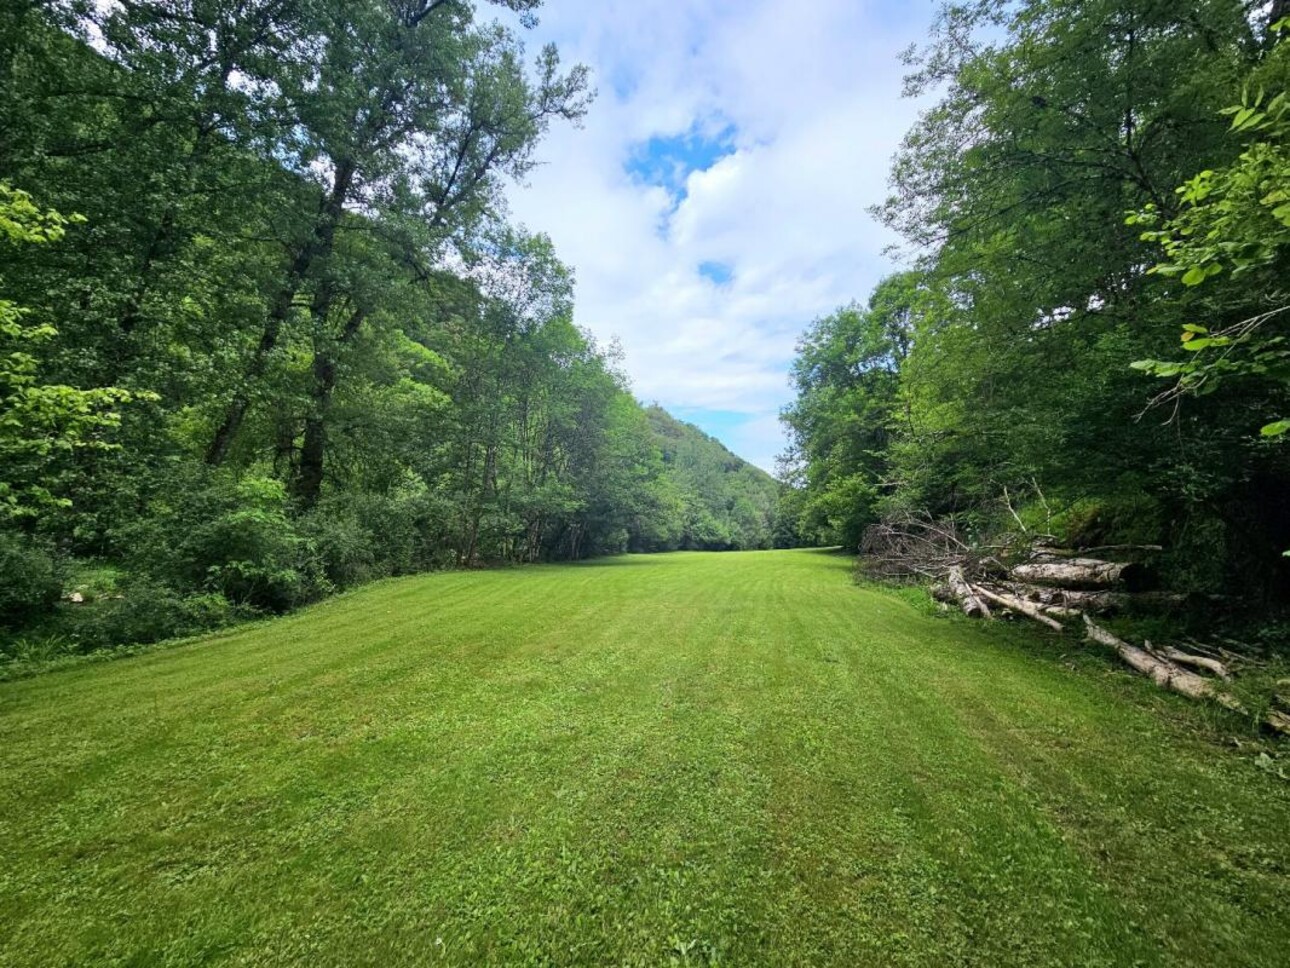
(724, 759)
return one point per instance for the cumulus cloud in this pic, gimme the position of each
(715, 201)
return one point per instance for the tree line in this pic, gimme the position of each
(266, 330)
(1090, 337)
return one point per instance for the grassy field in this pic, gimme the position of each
(692, 759)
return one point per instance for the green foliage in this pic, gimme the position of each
(846, 414)
(1236, 221)
(231, 537)
(293, 345)
(30, 580)
(1096, 521)
(142, 612)
(711, 500)
(1012, 401)
(39, 422)
(359, 537)
(250, 553)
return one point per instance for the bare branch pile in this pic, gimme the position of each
(1051, 586)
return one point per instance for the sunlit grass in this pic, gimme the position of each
(735, 759)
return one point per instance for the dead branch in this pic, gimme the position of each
(1195, 661)
(1170, 676)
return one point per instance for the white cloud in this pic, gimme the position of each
(812, 91)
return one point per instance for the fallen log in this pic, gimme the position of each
(1099, 603)
(1168, 675)
(1163, 672)
(1080, 573)
(962, 593)
(1018, 605)
(1195, 661)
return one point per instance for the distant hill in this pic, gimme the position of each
(722, 501)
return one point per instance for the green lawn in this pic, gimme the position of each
(739, 759)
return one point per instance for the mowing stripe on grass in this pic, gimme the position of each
(735, 759)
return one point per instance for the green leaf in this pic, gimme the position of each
(1276, 429)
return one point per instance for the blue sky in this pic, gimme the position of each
(714, 202)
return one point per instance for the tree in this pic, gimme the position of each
(412, 113)
(846, 375)
(39, 422)
(1051, 119)
(1235, 222)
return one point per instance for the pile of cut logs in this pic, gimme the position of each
(1053, 586)
(1050, 586)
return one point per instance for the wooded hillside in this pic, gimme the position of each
(268, 332)
(728, 503)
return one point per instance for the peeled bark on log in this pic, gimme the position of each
(1080, 573)
(1170, 676)
(962, 592)
(1018, 605)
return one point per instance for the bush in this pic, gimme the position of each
(346, 552)
(30, 581)
(147, 612)
(356, 538)
(230, 537)
(1128, 519)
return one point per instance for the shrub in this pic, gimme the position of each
(1128, 519)
(230, 537)
(345, 551)
(148, 611)
(30, 582)
(356, 538)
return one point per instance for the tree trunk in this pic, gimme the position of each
(1280, 10)
(972, 606)
(1097, 602)
(307, 487)
(313, 452)
(319, 247)
(1080, 573)
(1170, 676)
